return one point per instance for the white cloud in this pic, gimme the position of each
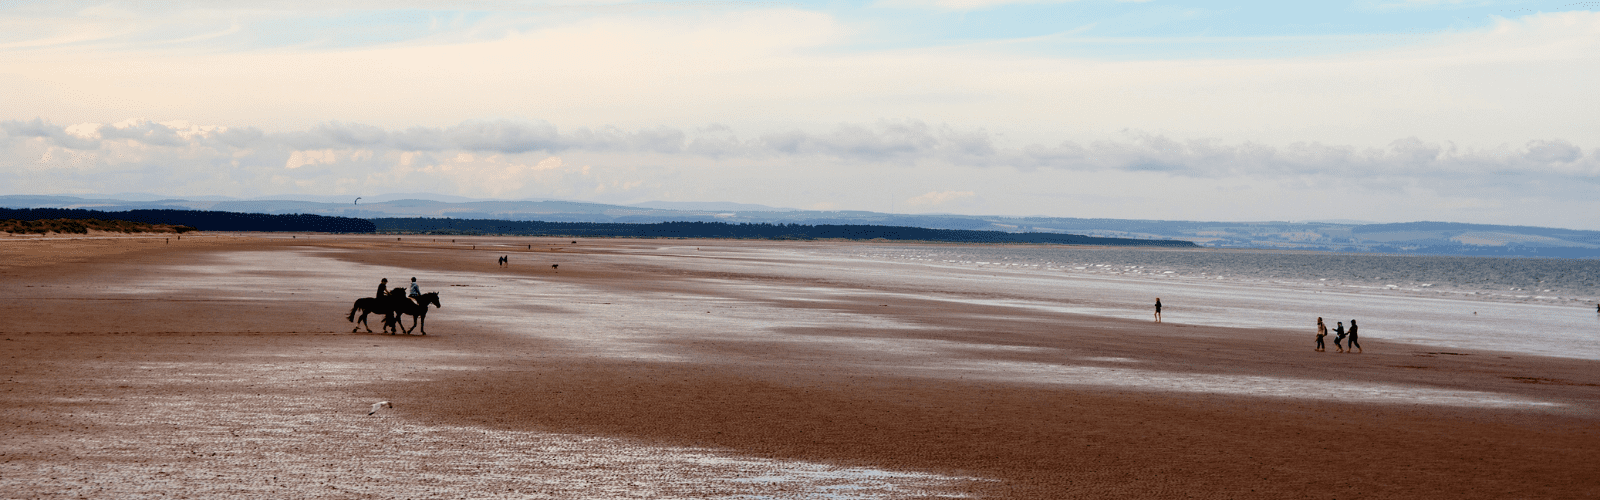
(771, 67)
(850, 166)
(935, 198)
(611, 104)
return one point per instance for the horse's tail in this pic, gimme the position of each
(353, 309)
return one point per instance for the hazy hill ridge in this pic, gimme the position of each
(1436, 238)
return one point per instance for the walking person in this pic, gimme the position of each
(1354, 344)
(1322, 331)
(1158, 309)
(1338, 336)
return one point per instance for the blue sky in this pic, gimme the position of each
(1378, 110)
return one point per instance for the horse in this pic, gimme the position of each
(418, 311)
(372, 305)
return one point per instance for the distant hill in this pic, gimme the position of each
(1432, 238)
(718, 206)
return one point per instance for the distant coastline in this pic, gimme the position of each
(1404, 238)
(748, 231)
(231, 221)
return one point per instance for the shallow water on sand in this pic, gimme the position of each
(1249, 289)
(586, 320)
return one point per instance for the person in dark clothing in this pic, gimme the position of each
(1322, 331)
(1158, 309)
(1354, 344)
(383, 288)
(1338, 336)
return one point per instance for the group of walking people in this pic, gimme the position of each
(1339, 336)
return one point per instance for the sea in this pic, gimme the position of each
(1521, 305)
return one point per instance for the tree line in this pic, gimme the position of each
(206, 220)
(203, 220)
(763, 231)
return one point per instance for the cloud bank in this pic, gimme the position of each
(844, 165)
(759, 66)
(956, 105)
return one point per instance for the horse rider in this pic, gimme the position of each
(383, 288)
(414, 292)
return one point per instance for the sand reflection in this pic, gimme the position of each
(1223, 385)
(642, 325)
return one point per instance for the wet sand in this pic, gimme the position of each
(224, 366)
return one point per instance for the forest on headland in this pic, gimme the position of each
(234, 221)
(423, 225)
(203, 220)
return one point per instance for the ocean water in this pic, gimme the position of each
(1536, 306)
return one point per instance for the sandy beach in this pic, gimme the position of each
(223, 365)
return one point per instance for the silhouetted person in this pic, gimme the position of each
(1338, 336)
(1322, 331)
(1158, 309)
(1354, 343)
(383, 287)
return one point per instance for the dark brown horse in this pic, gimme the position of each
(391, 306)
(372, 305)
(418, 311)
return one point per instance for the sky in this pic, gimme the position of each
(1376, 110)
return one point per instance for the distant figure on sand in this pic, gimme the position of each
(1158, 309)
(1322, 331)
(503, 260)
(1354, 344)
(1338, 336)
(383, 287)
